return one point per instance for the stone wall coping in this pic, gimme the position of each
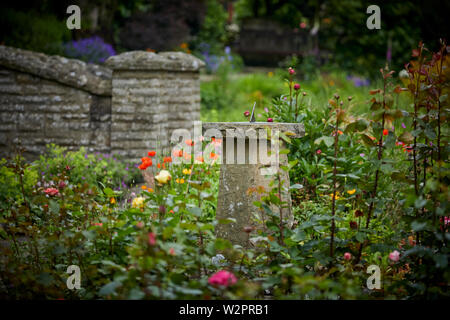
(143, 60)
(93, 78)
(296, 130)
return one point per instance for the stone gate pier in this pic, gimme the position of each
(250, 158)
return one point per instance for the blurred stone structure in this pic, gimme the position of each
(126, 107)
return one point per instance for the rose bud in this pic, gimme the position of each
(269, 120)
(247, 113)
(358, 213)
(248, 229)
(296, 86)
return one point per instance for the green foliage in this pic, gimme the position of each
(33, 31)
(99, 169)
(212, 31)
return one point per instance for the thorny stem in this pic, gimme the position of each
(416, 94)
(333, 203)
(281, 208)
(377, 172)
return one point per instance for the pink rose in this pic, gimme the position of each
(269, 120)
(394, 255)
(140, 224)
(296, 86)
(347, 256)
(247, 113)
(222, 278)
(151, 238)
(291, 71)
(51, 191)
(319, 151)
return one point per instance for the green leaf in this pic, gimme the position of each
(108, 192)
(420, 203)
(285, 138)
(54, 207)
(136, 294)
(430, 134)
(299, 235)
(367, 140)
(45, 279)
(441, 260)
(109, 288)
(296, 186)
(360, 237)
(325, 139)
(226, 220)
(196, 211)
(418, 226)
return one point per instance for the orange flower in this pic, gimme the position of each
(189, 142)
(177, 153)
(159, 165)
(213, 156)
(151, 153)
(385, 132)
(217, 142)
(144, 187)
(146, 162)
(187, 156)
(167, 159)
(199, 159)
(340, 132)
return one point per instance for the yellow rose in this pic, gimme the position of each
(163, 177)
(138, 202)
(187, 171)
(351, 191)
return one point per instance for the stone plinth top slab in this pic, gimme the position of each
(75, 73)
(296, 130)
(143, 60)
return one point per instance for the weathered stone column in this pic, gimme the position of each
(240, 172)
(152, 94)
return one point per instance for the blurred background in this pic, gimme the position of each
(246, 44)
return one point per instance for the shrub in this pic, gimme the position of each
(32, 31)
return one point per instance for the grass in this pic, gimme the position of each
(226, 97)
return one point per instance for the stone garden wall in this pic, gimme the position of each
(126, 107)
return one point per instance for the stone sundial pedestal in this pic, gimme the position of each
(250, 158)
